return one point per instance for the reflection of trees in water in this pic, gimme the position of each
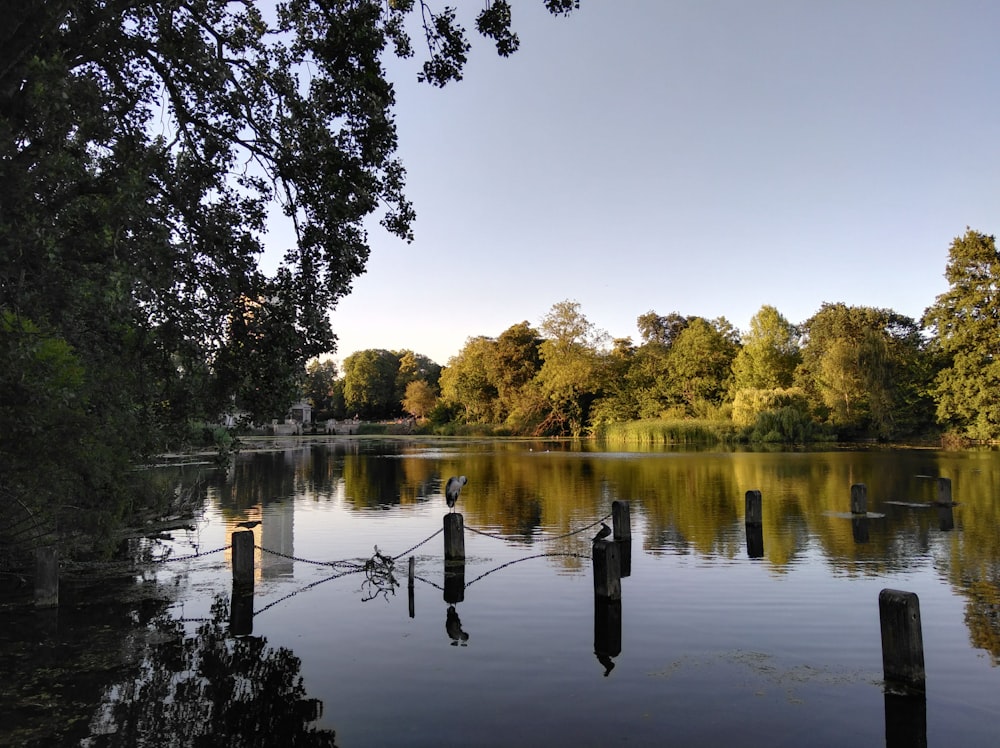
(689, 501)
(210, 689)
(982, 616)
(369, 477)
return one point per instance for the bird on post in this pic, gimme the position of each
(602, 533)
(452, 488)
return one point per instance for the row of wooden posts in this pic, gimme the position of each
(899, 612)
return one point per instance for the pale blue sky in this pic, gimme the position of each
(703, 156)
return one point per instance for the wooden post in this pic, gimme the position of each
(944, 491)
(607, 570)
(243, 557)
(621, 520)
(47, 577)
(859, 499)
(902, 639)
(454, 537)
(754, 508)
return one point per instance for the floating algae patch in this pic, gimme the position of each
(760, 673)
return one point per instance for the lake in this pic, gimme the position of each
(723, 636)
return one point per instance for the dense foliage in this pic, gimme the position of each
(848, 372)
(145, 148)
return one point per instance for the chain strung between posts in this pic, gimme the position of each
(519, 560)
(543, 539)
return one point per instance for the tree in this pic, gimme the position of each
(142, 148)
(370, 384)
(515, 364)
(769, 353)
(415, 367)
(965, 322)
(570, 377)
(700, 363)
(864, 370)
(420, 398)
(466, 381)
(321, 389)
(663, 330)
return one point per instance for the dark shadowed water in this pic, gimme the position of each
(719, 639)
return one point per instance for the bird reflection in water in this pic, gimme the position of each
(454, 628)
(605, 659)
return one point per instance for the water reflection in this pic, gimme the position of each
(209, 688)
(607, 631)
(453, 625)
(689, 503)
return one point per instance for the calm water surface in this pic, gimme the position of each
(710, 646)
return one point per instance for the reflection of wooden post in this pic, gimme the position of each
(454, 581)
(946, 517)
(620, 518)
(607, 570)
(755, 541)
(241, 609)
(454, 537)
(409, 584)
(902, 639)
(47, 577)
(607, 627)
(905, 720)
(754, 508)
(859, 499)
(944, 491)
(859, 528)
(243, 557)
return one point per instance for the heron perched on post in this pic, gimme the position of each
(452, 488)
(602, 533)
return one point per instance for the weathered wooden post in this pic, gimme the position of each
(454, 537)
(754, 508)
(944, 491)
(607, 570)
(622, 521)
(409, 584)
(902, 639)
(47, 577)
(859, 498)
(243, 557)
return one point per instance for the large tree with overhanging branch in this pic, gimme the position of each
(144, 144)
